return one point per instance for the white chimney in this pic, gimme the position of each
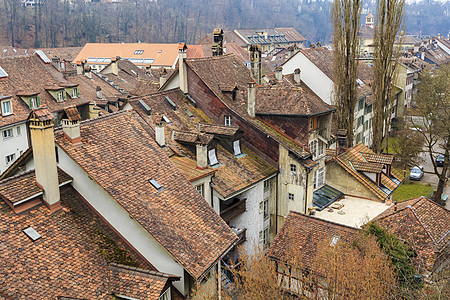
(279, 73)
(297, 77)
(160, 135)
(80, 67)
(251, 99)
(114, 65)
(202, 156)
(71, 124)
(162, 76)
(182, 69)
(99, 92)
(87, 72)
(44, 156)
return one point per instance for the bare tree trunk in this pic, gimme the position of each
(388, 22)
(346, 15)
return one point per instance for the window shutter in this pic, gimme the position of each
(78, 93)
(38, 101)
(30, 104)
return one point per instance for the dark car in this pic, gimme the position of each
(440, 160)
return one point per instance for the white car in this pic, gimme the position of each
(416, 173)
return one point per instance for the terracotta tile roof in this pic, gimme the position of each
(229, 36)
(192, 137)
(275, 35)
(64, 53)
(289, 100)
(304, 234)
(423, 224)
(378, 158)
(88, 87)
(227, 69)
(218, 129)
(181, 220)
(163, 54)
(188, 167)
(72, 113)
(41, 113)
(353, 156)
(136, 283)
(28, 75)
(66, 261)
(366, 32)
(367, 167)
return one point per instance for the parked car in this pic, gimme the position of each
(416, 173)
(440, 160)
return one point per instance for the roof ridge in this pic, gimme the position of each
(140, 270)
(323, 220)
(421, 223)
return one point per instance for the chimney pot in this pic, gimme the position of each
(251, 100)
(297, 76)
(182, 68)
(279, 73)
(160, 135)
(99, 92)
(72, 130)
(162, 76)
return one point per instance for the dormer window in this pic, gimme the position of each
(33, 102)
(6, 107)
(75, 93)
(228, 121)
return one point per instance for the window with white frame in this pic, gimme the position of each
(212, 157)
(201, 189)
(319, 178)
(60, 96)
(293, 169)
(9, 158)
(321, 146)
(264, 236)
(228, 121)
(266, 185)
(75, 93)
(8, 133)
(264, 208)
(33, 102)
(6, 107)
(313, 148)
(291, 197)
(19, 132)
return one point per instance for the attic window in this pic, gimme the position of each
(237, 147)
(138, 52)
(334, 240)
(166, 119)
(171, 103)
(6, 107)
(31, 233)
(3, 73)
(145, 107)
(212, 157)
(155, 184)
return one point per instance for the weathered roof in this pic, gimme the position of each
(176, 216)
(366, 32)
(72, 113)
(378, 158)
(302, 234)
(274, 35)
(24, 186)
(355, 156)
(422, 223)
(192, 137)
(188, 167)
(70, 259)
(218, 129)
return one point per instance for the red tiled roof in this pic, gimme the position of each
(423, 224)
(181, 220)
(72, 113)
(303, 234)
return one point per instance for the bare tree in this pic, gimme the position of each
(346, 15)
(433, 123)
(389, 19)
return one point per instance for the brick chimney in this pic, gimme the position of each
(251, 100)
(162, 76)
(114, 65)
(279, 73)
(44, 155)
(217, 47)
(160, 135)
(56, 62)
(87, 72)
(297, 77)
(182, 68)
(255, 62)
(99, 92)
(341, 141)
(71, 124)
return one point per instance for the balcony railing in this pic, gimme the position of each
(241, 233)
(233, 210)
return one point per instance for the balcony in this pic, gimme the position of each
(241, 233)
(232, 208)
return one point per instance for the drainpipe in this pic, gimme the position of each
(276, 206)
(219, 280)
(308, 170)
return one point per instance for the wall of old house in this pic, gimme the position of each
(207, 190)
(341, 180)
(253, 138)
(14, 145)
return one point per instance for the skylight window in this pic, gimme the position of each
(212, 157)
(166, 119)
(31, 233)
(171, 103)
(3, 73)
(145, 107)
(155, 184)
(237, 147)
(138, 52)
(334, 241)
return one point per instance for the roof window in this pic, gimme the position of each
(31, 233)
(166, 119)
(138, 52)
(334, 240)
(3, 73)
(145, 107)
(171, 103)
(155, 184)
